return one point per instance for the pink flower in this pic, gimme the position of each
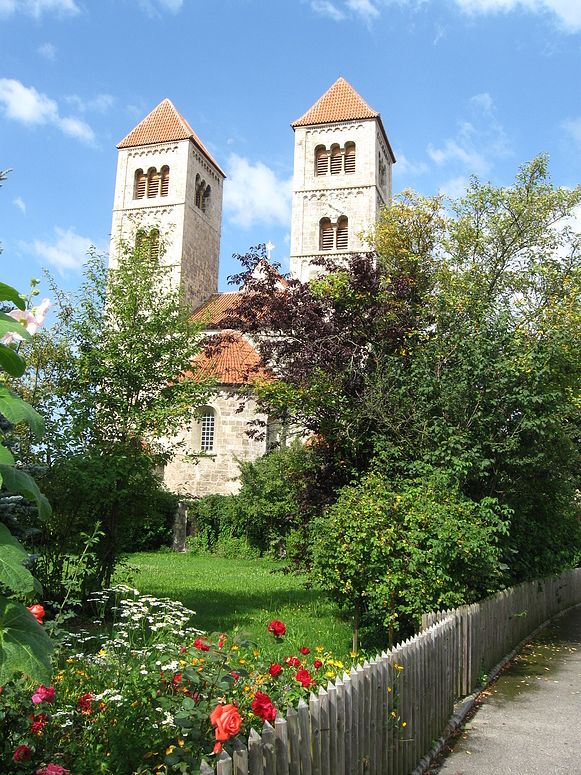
(32, 320)
(22, 754)
(52, 769)
(43, 694)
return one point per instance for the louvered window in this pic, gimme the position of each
(342, 234)
(140, 184)
(207, 424)
(350, 157)
(336, 161)
(325, 235)
(206, 199)
(164, 181)
(147, 244)
(152, 183)
(321, 161)
(154, 244)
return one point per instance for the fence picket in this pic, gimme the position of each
(292, 720)
(281, 745)
(240, 759)
(224, 764)
(268, 749)
(255, 763)
(305, 747)
(315, 716)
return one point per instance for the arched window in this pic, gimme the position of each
(147, 243)
(275, 434)
(349, 157)
(207, 429)
(336, 160)
(325, 234)
(139, 184)
(164, 181)
(152, 182)
(206, 199)
(321, 160)
(342, 233)
(201, 189)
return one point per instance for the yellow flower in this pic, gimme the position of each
(234, 648)
(389, 689)
(246, 689)
(393, 714)
(241, 661)
(169, 750)
(353, 654)
(319, 649)
(181, 742)
(404, 723)
(398, 666)
(102, 653)
(255, 653)
(330, 674)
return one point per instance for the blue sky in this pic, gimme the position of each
(463, 86)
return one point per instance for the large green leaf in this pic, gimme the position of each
(24, 645)
(10, 326)
(6, 456)
(8, 293)
(18, 481)
(11, 362)
(16, 411)
(13, 574)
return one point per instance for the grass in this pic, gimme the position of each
(245, 595)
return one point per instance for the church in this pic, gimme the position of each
(169, 187)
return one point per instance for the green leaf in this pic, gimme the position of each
(18, 481)
(13, 574)
(8, 293)
(24, 645)
(16, 411)
(6, 456)
(11, 361)
(10, 326)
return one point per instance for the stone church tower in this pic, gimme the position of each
(169, 189)
(342, 177)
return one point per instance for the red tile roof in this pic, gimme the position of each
(231, 360)
(340, 103)
(218, 307)
(162, 125)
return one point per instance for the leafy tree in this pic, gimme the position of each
(125, 341)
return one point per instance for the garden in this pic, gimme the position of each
(438, 381)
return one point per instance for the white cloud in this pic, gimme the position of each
(568, 12)
(28, 106)
(254, 194)
(18, 202)
(36, 8)
(455, 187)
(67, 252)
(407, 167)
(573, 127)
(154, 7)
(477, 143)
(327, 8)
(48, 51)
(99, 104)
(363, 8)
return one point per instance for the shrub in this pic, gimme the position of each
(388, 552)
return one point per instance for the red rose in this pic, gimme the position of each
(177, 679)
(201, 644)
(304, 678)
(235, 675)
(317, 664)
(263, 707)
(38, 722)
(277, 628)
(275, 669)
(37, 611)
(227, 721)
(85, 703)
(293, 661)
(304, 650)
(52, 769)
(22, 754)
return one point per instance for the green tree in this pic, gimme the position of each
(125, 342)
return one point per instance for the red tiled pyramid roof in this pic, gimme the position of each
(162, 125)
(233, 362)
(216, 309)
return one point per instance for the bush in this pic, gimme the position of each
(388, 552)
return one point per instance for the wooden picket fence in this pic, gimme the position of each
(383, 717)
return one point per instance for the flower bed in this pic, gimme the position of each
(155, 696)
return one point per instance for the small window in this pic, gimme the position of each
(206, 199)
(336, 160)
(349, 157)
(207, 427)
(147, 243)
(321, 160)
(152, 183)
(164, 181)
(140, 184)
(342, 233)
(325, 234)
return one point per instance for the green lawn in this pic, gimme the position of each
(243, 594)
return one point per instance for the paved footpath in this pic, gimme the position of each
(529, 722)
